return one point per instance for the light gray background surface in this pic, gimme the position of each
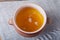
(52, 9)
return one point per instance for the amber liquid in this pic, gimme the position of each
(29, 19)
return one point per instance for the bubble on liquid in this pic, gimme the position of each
(30, 19)
(36, 23)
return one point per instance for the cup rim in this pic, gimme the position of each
(39, 9)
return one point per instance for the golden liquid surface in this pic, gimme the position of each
(29, 19)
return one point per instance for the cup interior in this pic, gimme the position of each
(33, 6)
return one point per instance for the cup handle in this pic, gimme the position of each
(10, 21)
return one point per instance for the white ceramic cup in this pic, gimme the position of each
(24, 33)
